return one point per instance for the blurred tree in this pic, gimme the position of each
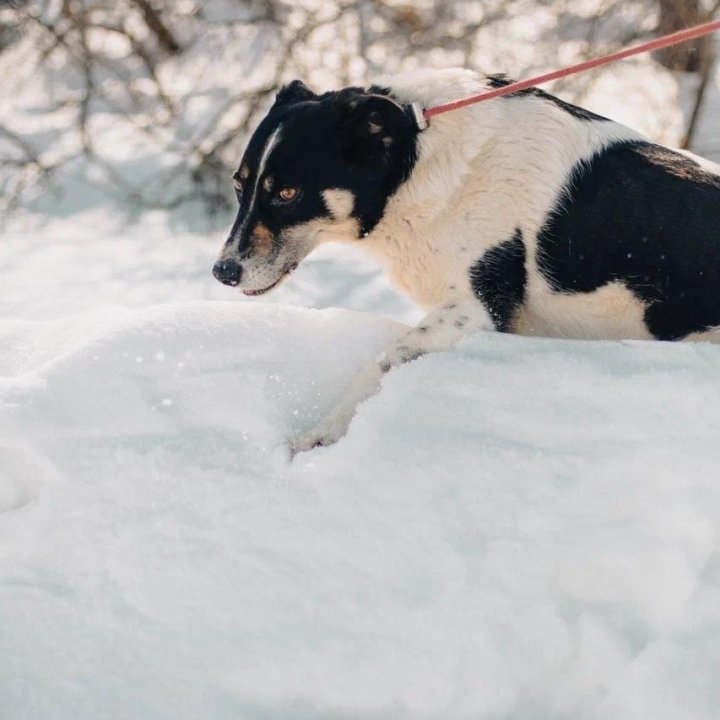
(152, 100)
(676, 15)
(692, 57)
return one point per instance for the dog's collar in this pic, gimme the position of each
(414, 111)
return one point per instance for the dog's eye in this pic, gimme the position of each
(287, 194)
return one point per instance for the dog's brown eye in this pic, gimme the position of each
(287, 194)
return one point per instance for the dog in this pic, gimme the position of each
(523, 214)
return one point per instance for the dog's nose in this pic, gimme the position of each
(227, 272)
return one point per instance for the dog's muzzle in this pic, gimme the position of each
(228, 272)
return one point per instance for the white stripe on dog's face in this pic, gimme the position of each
(272, 141)
(269, 146)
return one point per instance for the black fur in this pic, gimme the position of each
(294, 92)
(649, 218)
(351, 139)
(497, 81)
(380, 90)
(498, 279)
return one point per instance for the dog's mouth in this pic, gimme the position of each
(284, 275)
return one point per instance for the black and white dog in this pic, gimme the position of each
(523, 214)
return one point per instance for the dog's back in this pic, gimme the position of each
(565, 223)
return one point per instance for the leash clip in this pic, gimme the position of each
(415, 111)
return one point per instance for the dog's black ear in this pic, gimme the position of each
(370, 125)
(296, 91)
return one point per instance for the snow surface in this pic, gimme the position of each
(66, 266)
(521, 528)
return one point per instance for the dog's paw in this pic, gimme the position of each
(326, 433)
(309, 441)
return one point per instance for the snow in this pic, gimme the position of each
(66, 266)
(519, 528)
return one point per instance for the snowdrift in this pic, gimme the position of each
(521, 528)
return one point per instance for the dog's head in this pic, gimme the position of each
(318, 167)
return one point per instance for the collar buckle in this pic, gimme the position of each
(415, 112)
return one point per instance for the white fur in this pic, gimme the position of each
(482, 172)
(339, 203)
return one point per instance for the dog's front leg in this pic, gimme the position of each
(438, 331)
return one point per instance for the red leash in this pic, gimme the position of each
(657, 44)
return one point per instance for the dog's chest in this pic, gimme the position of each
(419, 267)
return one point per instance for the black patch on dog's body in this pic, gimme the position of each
(498, 279)
(645, 216)
(498, 81)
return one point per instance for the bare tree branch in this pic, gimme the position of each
(119, 68)
(156, 25)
